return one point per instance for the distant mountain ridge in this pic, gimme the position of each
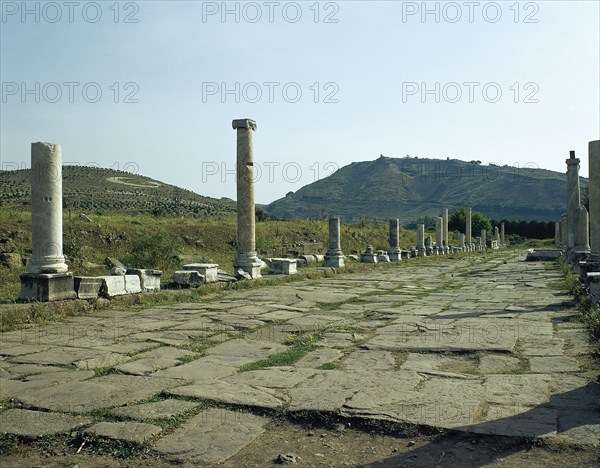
(93, 189)
(410, 188)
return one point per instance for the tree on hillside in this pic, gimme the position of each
(457, 221)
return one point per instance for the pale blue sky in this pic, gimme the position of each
(366, 59)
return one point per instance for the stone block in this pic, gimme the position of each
(537, 255)
(188, 278)
(334, 261)
(382, 256)
(283, 266)
(132, 284)
(368, 257)
(208, 270)
(309, 259)
(87, 287)
(149, 279)
(592, 280)
(47, 287)
(112, 286)
(112, 262)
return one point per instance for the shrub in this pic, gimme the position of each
(153, 251)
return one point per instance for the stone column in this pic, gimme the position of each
(462, 242)
(247, 264)
(439, 235)
(421, 240)
(48, 278)
(577, 225)
(394, 251)
(445, 225)
(594, 188)
(502, 234)
(563, 230)
(334, 257)
(483, 239)
(468, 228)
(573, 198)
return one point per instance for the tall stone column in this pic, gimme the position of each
(421, 240)
(557, 233)
(439, 235)
(247, 264)
(394, 251)
(573, 198)
(594, 194)
(334, 257)
(468, 228)
(577, 216)
(483, 239)
(48, 278)
(502, 234)
(445, 225)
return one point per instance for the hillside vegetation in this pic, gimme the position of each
(93, 190)
(163, 242)
(412, 188)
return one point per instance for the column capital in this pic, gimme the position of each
(572, 159)
(244, 123)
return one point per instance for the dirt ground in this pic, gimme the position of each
(337, 445)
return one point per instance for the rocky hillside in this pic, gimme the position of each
(411, 188)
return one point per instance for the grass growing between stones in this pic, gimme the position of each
(298, 348)
(590, 313)
(41, 312)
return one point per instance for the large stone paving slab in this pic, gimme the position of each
(33, 424)
(212, 436)
(125, 431)
(101, 392)
(162, 409)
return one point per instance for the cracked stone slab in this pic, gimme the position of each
(162, 409)
(369, 360)
(125, 431)
(101, 392)
(200, 369)
(212, 436)
(279, 315)
(272, 377)
(497, 364)
(59, 356)
(435, 362)
(317, 358)
(521, 389)
(552, 364)
(33, 424)
(232, 393)
(152, 361)
(252, 349)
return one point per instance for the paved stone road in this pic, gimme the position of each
(472, 344)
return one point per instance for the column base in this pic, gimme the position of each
(334, 261)
(247, 266)
(47, 287)
(592, 281)
(395, 254)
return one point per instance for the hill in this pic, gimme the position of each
(411, 188)
(93, 190)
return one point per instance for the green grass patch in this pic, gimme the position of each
(297, 350)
